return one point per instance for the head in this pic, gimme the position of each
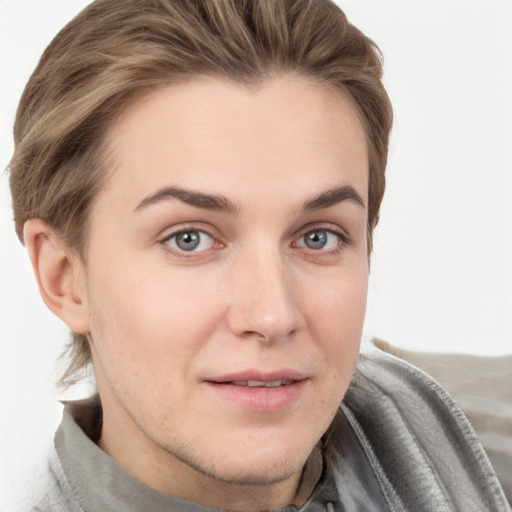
(157, 81)
(90, 73)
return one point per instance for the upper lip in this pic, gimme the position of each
(259, 375)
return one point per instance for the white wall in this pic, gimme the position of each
(442, 268)
(441, 271)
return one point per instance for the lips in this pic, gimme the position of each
(259, 377)
(259, 391)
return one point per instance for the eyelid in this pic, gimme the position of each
(184, 227)
(331, 228)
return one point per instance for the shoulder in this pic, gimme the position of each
(420, 443)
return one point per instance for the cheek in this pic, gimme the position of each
(149, 319)
(335, 320)
(335, 325)
(338, 307)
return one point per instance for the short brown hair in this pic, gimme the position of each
(116, 50)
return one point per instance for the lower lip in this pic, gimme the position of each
(259, 399)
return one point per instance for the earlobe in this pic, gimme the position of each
(59, 273)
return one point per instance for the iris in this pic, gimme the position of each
(316, 239)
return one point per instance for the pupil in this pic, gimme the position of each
(316, 239)
(188, 241)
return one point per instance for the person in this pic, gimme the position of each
(197, 184)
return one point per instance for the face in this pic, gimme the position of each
(226, 274)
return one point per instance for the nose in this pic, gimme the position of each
(264, 302)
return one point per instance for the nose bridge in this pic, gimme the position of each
(264, 301)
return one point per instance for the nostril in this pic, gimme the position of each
(255, 334)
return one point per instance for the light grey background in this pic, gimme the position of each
(442, 265)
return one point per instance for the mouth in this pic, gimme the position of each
(259, 392)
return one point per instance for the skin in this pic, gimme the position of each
(253, 296)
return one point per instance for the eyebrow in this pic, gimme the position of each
(333, 197)
(222, 204)
(191, 197)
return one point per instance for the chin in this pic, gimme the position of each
(255, 472)
(258, 464)
(252, 474)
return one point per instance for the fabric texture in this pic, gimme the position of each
(482, 387)
(398, 443)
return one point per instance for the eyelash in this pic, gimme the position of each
(343, 241)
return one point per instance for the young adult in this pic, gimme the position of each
(197, 183)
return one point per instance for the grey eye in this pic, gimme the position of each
(189, 241)
(319, 239)
(316, 239)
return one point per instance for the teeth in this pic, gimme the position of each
(260, 383)
(255, 383)
(274, 383)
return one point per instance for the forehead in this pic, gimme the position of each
(206, 133)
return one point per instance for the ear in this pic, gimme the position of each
(60, 274)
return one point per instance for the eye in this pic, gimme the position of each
(190, 241)
(319, 239)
